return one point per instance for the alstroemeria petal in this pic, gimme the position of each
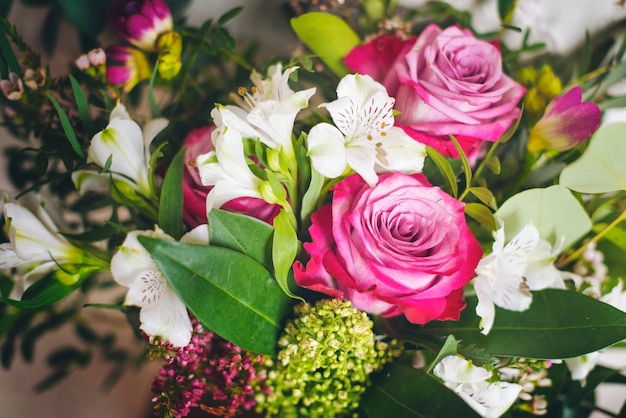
(454, 369)
(327, 150)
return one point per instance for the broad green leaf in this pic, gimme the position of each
(67, 127)
(559, 324)
(229, 292)
(242, 233)
(171, 200)
(327, 36)
(44, 292)
(481, 214)
(403, 391)
(444, 168)
(601, 168)
(598, 375)
(86, 16)
(285, 247)
(554, 211)
(83, 108)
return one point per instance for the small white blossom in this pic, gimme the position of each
(163, 314)
(488, 399)
(128, 147)
(363, 137)
(506, 276)
(35, 245)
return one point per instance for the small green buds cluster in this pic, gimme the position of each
(543, 85)
(326, 356)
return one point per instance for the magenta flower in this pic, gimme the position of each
(126, 66)
(140, 22)
(566, 122)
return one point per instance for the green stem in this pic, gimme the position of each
(576, 254)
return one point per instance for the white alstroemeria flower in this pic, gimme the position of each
(506, 276)
(268, 114)
(128, 146)
(226, 168)
(364, 137)
(36, 247)
(162, 313)
(489, 400)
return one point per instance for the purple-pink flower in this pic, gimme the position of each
(401, 247)
(140, 22)
(126, 66)
(445, 82)
(566, 122)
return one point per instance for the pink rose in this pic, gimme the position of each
(199, 142)
(446, 82)
(401, 247)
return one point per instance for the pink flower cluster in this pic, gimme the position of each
(209, 369)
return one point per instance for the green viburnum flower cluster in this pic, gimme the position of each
(326, 356)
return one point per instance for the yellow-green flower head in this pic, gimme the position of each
(543, 85)
(326, 356)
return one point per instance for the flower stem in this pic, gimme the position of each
(573, 256)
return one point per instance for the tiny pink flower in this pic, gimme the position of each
(82, 62)
(13, 88)
(97, 57)
(140, 22)
(126, 66)
(566, 122)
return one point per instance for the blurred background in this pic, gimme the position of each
(265, 22)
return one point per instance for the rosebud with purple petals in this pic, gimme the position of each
(566, 122)
(126, 66)
(141, 22)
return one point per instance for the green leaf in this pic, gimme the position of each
(554, 211)
(578, 393)
(444, 168)
(229, 292)
(86, 16)
(44, 292)
(481, 214)
(171, 200)
(9, 60)
(229, 15)
(484, 195)
(67, 127)
(559, 324)
(242, 233)
(402, 391)
(328, 36)
(285, 247)
(83, 109)
(467, 169)
(601, 168)
(312, 196)
(449, 348)
(506, 9)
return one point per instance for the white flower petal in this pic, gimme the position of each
(169, 319)
(362, 160)
(401, 153)
(90, 181)
(198, 235)
(327, 150)
(454, 369)
(32, 240)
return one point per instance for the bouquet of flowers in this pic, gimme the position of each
(404, 217)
